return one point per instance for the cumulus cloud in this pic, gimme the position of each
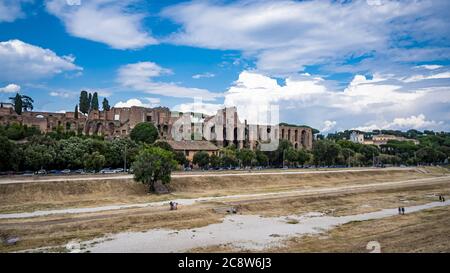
(418, 122)
(114, 23)
(310, 100)
(285, 36)
(11, 10)
(328, 125)
(203, 75)
(140, 77)
(205, 108)
(152, 102)
(21, 61)
(10, 88)
(415, 78)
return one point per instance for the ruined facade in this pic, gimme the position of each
(223, 129)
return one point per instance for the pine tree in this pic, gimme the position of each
(17, 101)
(76, 112)
(84, 102)
(105, 105)
(94, 102)
(89, 102)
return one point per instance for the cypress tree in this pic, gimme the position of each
(94, 102)
(89, 102)
(105, 105)
(84, 102)
(17, 101)
(76, 112)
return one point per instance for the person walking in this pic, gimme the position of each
(403, 210)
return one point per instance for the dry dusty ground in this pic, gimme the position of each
(59, 229)
(40, 196)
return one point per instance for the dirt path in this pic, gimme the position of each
(16, 180)
(244, 232)
(244, 197)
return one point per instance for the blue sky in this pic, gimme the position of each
(332, 65)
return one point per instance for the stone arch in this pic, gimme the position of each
(304, 138)
(88, 130)
(111, 128)
(98, 128)
(296, 145)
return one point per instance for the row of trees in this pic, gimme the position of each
(26, 148)
(89, 101)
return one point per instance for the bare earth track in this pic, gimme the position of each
(336, 192)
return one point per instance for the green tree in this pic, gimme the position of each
(291, 156)
(144, 132)
(303, 157)
(94, 101)
(201, 159)
(84, 102)
(246, 156)
(105, 105)
(89, 102)
(214, 160)
(153, 164)
(76, 112)
(163, 145)
(15, 131)
(326, 152)
(262, 158)
(17, 102)
(228, 157)
(94, 161)
(38, 156)
(8, 154)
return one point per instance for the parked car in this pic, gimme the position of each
(65, 171)
(41, 172)
(80, 171)
(27, 173)
(107, 171)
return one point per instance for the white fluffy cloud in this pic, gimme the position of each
(10, 88)
(285, 36)
(418, 122)
(111, 22)
(309, 100)
(205, 108)
(10, 10)
(415, 78)
(328, 125)
(21, 61)
(140, 77)
(152, 102)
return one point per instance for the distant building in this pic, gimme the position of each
(357, 137)
(383, 139)
(209, 132)
(190, 147)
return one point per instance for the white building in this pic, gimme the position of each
(356, 137)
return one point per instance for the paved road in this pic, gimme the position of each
(197, 174)
(242, 198)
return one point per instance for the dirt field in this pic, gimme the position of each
(39, 196)
(56, 230)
